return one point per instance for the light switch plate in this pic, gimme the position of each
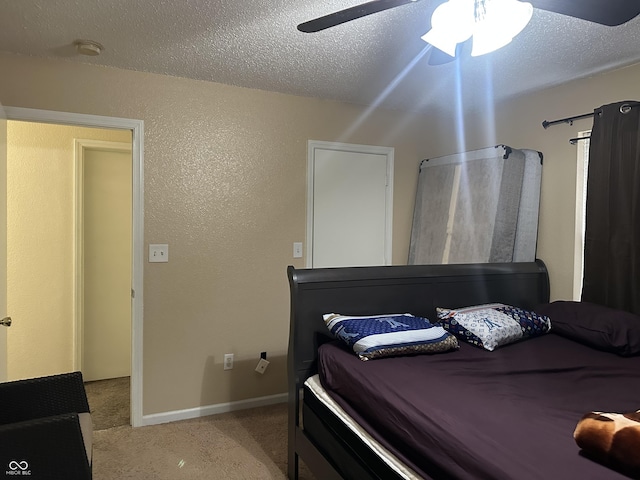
(297, 249)
(158, 252)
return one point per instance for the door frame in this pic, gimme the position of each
(78, 255)
(137, 259)
(388, 152)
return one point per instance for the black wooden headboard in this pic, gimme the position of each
(415, 289)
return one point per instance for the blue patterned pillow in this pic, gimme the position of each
(389, 335)
(492, 325)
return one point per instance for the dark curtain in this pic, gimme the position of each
(612, 236)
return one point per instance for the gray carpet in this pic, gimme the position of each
(109, 402)
(243, 445)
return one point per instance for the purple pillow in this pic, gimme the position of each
(594, 325)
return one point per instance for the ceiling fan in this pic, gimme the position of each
(604, 12)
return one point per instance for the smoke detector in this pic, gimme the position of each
(88, 47)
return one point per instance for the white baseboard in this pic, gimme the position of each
(174, 416)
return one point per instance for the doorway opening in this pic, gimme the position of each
(135, 132)
(102, 259)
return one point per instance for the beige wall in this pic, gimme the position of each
(225, 187)
(518, 123)
(225, 180)
(40, 228)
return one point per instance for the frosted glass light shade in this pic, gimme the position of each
(455, 21)
(451, 23)
(504, 19)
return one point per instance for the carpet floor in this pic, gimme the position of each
(109, 402)
(244, 445)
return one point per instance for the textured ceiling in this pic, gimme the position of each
(375, 60)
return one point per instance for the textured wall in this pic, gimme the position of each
(40, 250)
(225, 186)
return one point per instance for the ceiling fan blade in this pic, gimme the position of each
(604, 12)
(349, 14)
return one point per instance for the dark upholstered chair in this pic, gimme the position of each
(45, 428)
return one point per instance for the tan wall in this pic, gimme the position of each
(518, 123)
(225, 182)
(40, 212)
(225, 187)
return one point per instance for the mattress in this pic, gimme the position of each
(314, 386)
(474, 414)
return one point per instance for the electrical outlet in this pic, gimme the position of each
(262, 365)
(228, 361)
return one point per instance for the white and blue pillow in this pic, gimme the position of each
(493, 325)
(389, 335)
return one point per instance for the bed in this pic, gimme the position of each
(515, 422)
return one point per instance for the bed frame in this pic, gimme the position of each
(328, 449)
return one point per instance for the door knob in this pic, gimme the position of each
(6, 321)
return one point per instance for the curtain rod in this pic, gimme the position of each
(624, 108)
(573, 141)
(568, 120)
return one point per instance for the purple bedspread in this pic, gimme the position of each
(474, 414)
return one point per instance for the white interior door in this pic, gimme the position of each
(350, 205)
(3, 243)
(106, 272)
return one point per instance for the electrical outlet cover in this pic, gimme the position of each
(158, 253)
(228, 361)
(262, 365)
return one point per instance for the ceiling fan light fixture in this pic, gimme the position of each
(441, 41)
(501, 21)
(451, 23)
(491, 23)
